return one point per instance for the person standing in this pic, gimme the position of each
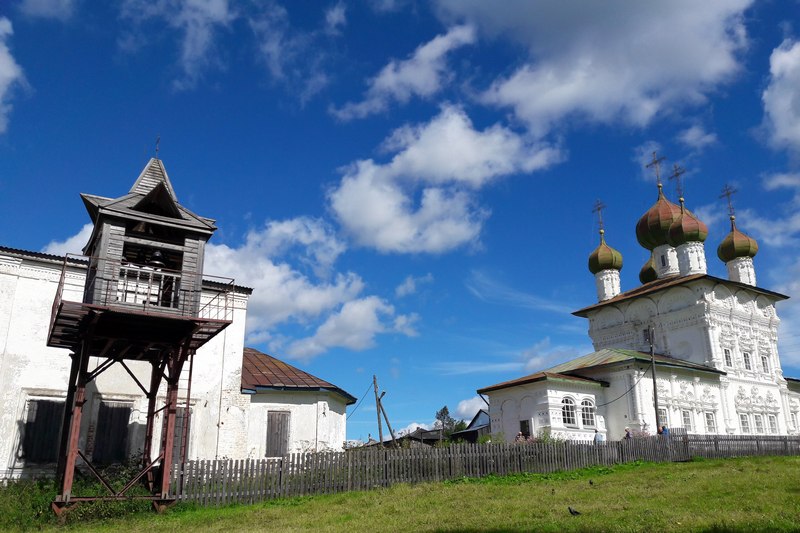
(628, 435)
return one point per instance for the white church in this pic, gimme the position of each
(242, 403)
(714, 344)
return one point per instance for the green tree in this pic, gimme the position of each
(448, 423)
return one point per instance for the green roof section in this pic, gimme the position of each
(616, 356)
(542, 376)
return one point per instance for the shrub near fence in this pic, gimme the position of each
(226, 481)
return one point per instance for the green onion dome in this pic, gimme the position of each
(648, 272)
(736, 244)
(687, 228)
(604, 257)
(653, 227)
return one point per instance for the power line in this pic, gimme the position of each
(359, 402)
(624, 393)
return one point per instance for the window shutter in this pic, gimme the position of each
(40, 440)
(277, 433)
(111, 441)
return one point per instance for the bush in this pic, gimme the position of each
(25, 504)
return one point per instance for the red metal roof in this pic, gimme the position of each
(261, 371)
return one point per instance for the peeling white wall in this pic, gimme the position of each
(317, 420)
(29, 369)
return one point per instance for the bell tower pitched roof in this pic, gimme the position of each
(152, 175)
(151, 197)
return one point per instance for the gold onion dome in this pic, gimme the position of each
(687, 228)
(648, 272)
(736, 245)
(604, 257)
(653, 228)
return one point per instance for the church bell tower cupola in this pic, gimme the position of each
(737, 250)
(687, 234)
(653, 227)
(605, 263)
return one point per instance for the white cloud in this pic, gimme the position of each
(335, 18)
(543, 354)
(421, 75)
(490, 290)
(354, 326)
(282, 293)
(295, 58)
(441, 163)
(387, 6)
(54, 9)
(781, 97)
(697, 138)
(71, 245)
(608, 61)
(10, 72)
(467, 409)
(197, 20)
(409, 285)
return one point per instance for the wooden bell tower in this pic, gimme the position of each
(144, 300)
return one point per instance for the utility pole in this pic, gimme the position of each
(651, 333)
(378, 408)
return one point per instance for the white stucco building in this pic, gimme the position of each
(230, 409)
(715, 342)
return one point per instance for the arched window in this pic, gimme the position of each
(568, 412)
(587, 413)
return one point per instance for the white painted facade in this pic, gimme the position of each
(722, 372)
(316, 420)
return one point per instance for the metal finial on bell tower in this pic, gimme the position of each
(158, 143)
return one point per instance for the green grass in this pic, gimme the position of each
(753, 494)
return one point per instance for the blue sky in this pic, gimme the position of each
(408, 186)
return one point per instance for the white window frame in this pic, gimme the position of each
(686, 418)
(758, 423)
(711, 422)
(663, 416)
(765, 364)
(747, 362)
(793, 416)
(744, 423)
(773, 424)
(728, 357)
(568, 412)
(588, 418)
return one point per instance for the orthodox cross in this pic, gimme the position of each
(728, 191)
(158, 141)
(656, 165)
(598, 208)
(677, 172)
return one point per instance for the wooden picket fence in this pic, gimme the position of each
(227, 481)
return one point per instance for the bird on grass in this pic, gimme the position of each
(573, 512)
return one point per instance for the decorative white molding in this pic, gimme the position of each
(607, 282)
(742, 270)
(691, 258)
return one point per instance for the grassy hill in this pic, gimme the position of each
(751, 494)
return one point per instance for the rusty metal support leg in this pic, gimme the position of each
(63, 437)
(168, 434)
(155, 381)
(71, 454)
